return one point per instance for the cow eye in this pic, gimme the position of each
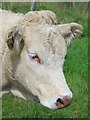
(35, 57)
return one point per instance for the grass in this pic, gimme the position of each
(75, 68)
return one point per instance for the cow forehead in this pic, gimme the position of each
(47, 42)
(44, 38)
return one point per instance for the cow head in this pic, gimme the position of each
(40, 49)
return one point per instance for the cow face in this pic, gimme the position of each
(39, 50)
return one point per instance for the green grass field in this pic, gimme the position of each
(75, 68)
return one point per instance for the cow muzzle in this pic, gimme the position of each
(58, 102)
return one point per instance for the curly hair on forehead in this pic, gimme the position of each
(44, 16)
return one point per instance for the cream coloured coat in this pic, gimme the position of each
(32, 51)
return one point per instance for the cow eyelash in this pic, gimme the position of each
(35, 57)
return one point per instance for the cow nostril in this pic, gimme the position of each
(65, 101)
(59, 103)
(59, 100)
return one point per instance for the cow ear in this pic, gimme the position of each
(70, 31)
(15, 40)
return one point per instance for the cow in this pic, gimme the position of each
(33, 47)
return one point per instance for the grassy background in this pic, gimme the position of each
(75, 67)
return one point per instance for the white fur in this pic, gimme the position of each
(24, 76)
